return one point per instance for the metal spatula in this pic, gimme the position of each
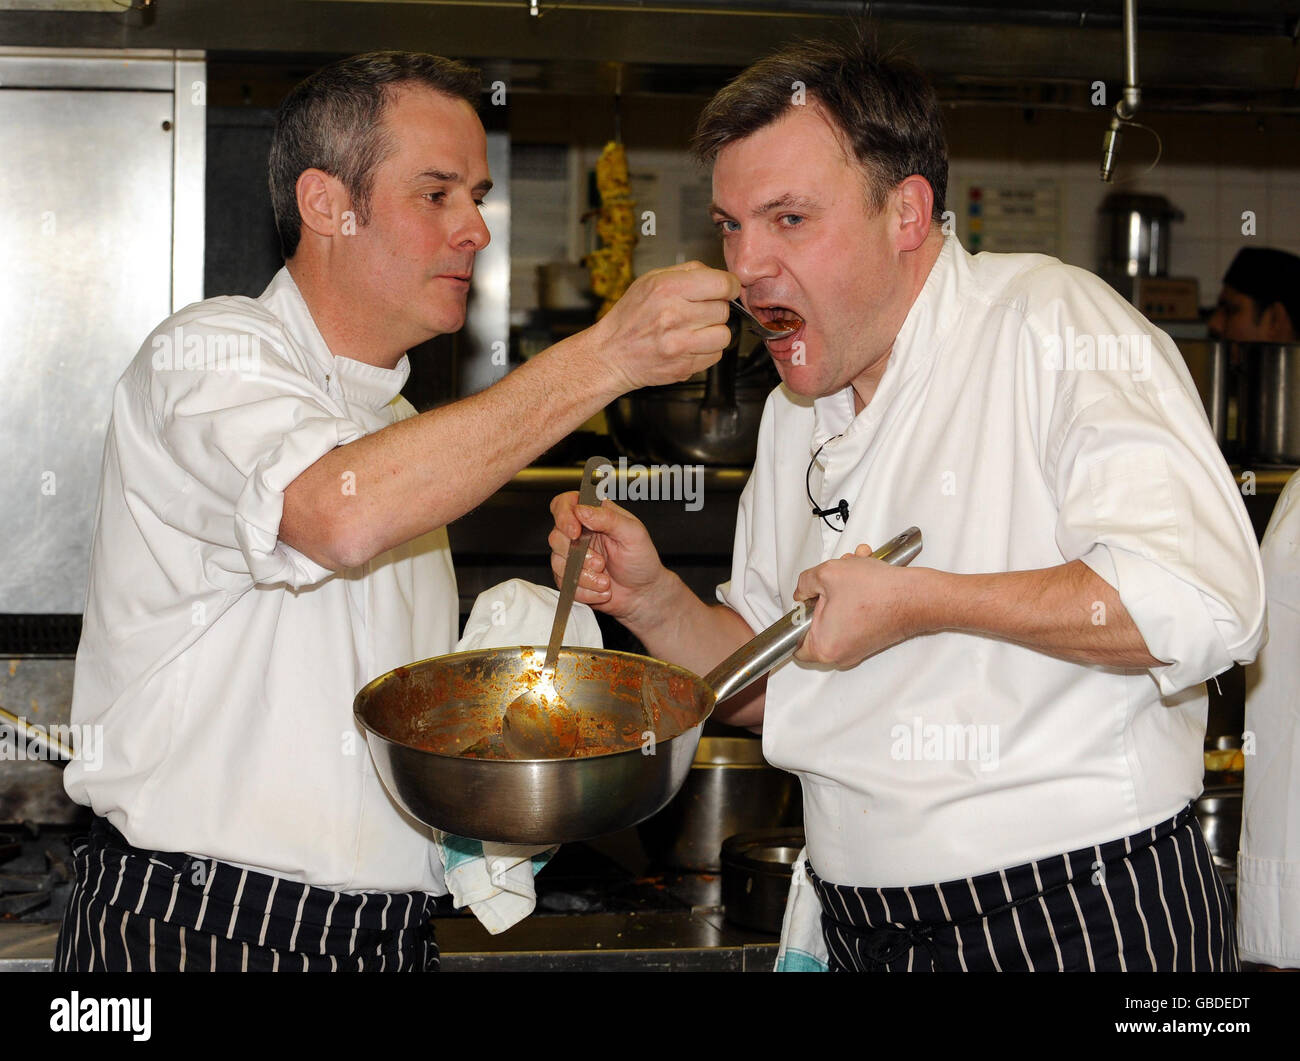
(538, 724)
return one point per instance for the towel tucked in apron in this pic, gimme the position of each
(1151, 901)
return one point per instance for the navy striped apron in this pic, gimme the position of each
(134, 910)
(1151, 902)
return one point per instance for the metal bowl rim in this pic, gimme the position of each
(388, 676)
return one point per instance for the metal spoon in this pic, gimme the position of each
(764, 330)
(538, 724)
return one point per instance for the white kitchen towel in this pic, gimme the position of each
(496, 880)
(803, 947)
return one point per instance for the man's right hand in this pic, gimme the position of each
(670, 324)
(623, 575)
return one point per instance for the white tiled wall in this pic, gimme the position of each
(1213, 198)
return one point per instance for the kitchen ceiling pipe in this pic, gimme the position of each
(1126, 106)
(1247, 17)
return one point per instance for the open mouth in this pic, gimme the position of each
(779, 318)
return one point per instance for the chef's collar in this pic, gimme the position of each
(370, 385)
(924, 329)
(358, 382)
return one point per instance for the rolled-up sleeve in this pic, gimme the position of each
(1147, 502)
(233, 442)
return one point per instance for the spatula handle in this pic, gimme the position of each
(587, 495)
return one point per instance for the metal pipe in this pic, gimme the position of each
(1126, 106)
(1189, 20)
(1132, 93)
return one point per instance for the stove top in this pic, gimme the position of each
(582, 880)
(36, 873)
(36, 878)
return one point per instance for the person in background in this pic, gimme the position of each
(1260, 302)
(1260, 298)
(1268, 863)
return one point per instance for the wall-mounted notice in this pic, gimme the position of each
(1014, 216)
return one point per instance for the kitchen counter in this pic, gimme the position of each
(665, 941)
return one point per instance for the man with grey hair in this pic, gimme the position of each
(1087, 561)
(271, 537)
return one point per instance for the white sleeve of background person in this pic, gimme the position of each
(1145, 497)
(1268, 866)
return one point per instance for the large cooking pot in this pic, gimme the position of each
(434, 732)
(1272, 414)
(1212, 370)
(1135, 234)
(730, 789)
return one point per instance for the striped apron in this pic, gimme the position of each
(133, 910)
(1151, 902)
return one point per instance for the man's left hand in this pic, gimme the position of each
(865, 605)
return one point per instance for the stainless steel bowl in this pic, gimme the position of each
(434, 731)
(420, 721)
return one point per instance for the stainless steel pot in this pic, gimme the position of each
(1210, 364)
(434, 732)
(711, 421)
(1219, 814)
(1272, 413)
(730, 789)
(1135, 234)
(756, 871)
(700, 421)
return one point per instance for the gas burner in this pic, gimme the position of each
(35, 874)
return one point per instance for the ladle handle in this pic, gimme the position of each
(577, 556)
(779, 641)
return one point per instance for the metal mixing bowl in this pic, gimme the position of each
(421, 721)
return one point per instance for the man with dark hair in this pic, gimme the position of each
(1260, 298)
(271, 537)
(999, 744)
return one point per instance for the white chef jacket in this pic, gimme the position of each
(1011, 451)
(219, 663)
(1268, 865)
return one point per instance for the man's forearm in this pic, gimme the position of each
(675, 625)
(1067, 611)
(679, 627)
(364, 498)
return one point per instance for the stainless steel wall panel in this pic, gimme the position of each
(87, 265)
